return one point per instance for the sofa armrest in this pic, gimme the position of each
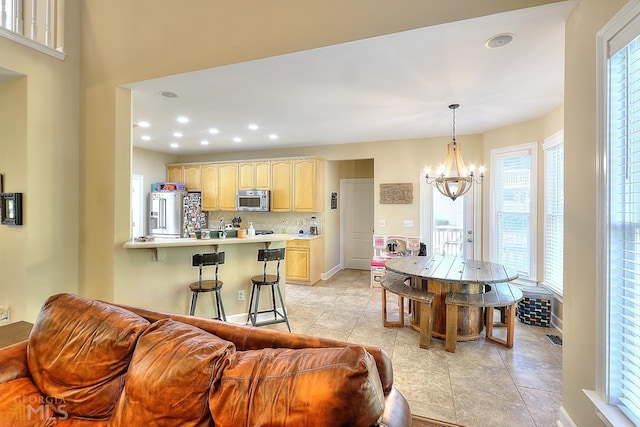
(13, 362)
(396, 410)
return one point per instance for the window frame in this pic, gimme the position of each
(551, 142)
(626, 21)
(496, 153)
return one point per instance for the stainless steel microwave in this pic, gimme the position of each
(253, 200)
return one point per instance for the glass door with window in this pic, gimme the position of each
(448, 225)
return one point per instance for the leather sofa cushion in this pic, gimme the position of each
(168, 381)
(294, 387)
(24, 405)
(79, 350)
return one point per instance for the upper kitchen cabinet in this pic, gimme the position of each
(307, 184)
(281, 184)
(210, 187)
(228, 185)
(189, 174)
(254, 175)
(174, 173)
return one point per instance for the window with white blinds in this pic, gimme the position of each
(623, 228)
(553, 211)
(513, 209)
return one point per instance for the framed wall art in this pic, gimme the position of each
(395, 194)
(11, 206)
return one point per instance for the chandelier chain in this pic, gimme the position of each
(453, 108)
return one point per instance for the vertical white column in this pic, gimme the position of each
(18, 23)
(48, 40)
(59, 25)
(3, 14)
(34, 20)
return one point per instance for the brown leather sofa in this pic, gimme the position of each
(90, 363)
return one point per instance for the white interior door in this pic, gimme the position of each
(356, 222)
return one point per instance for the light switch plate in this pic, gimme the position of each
(407, 223)
(382, 223)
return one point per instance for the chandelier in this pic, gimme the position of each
(454, 178)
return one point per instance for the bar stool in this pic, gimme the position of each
(273, 281)
(201, 286)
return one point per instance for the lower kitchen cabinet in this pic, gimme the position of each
(304, 259)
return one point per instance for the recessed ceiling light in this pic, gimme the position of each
(174, 145)
(253, 127)
(183, 119)
(499, 40)
(237, 139)
(168, 94)
(204, 142)
(177, 134)
(144, 124)
(214, 131)
(273, 136)
(145, 138)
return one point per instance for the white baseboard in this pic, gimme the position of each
(565, 420)
(328, 275)
(238, 319)
(556, 321)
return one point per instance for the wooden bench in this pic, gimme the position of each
(396, 284)
(495, 295)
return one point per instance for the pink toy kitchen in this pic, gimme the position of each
(390, 246)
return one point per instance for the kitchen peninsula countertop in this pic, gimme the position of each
(160, 242)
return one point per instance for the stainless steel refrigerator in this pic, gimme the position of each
(166, 213)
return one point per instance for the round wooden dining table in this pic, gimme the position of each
(444, 274)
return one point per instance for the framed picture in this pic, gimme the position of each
(334, 200)
(396, 194)
(11, 206)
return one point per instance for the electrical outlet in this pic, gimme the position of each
(4, 314)
(240, 295)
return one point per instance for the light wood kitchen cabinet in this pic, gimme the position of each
(192, 177)
(296, 184)
(263, 175)
(210, 187)
(281, 184)
(254, 175)
(307, 184)
(303, 260)
(189, 174)
(174, 173)
(228, 185)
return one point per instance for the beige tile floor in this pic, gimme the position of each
(481, 384)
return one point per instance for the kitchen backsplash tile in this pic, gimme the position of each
(279, 222)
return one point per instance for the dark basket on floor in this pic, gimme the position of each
(535, 308)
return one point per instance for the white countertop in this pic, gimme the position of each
(303, 237)
(160, 242)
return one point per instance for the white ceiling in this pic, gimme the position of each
(384, 88)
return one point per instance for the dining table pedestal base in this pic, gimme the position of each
(470, 319)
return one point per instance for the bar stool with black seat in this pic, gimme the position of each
(201, 261)
(273, 282)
